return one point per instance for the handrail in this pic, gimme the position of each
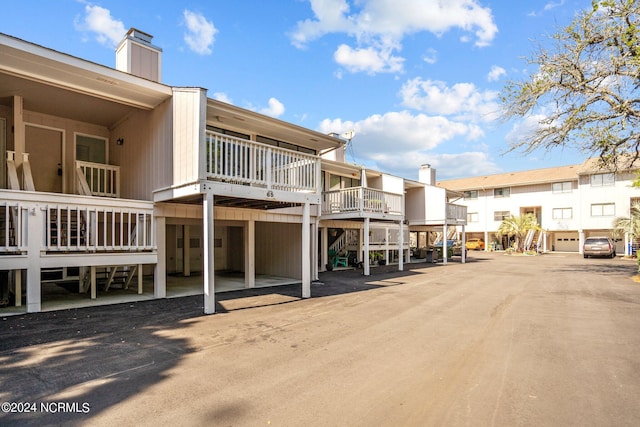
(248, 162)
(362, 199)
(103, 179)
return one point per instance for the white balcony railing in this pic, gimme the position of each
(247, 162)
(456, 212)
(362, 199)
(103, 180)
(72, 223)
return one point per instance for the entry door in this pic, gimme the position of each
(45, 156)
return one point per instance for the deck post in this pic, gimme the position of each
(365, 261)
(209, 275)
(306, 250)
(444, 243)
(35, 230)
(400, 247)
(250, 254)
(464, 246)
(160, 269)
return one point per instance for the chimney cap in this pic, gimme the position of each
(140, 35)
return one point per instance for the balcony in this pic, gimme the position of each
(40, 224)
(102, 180)
(362, 201)
(456, 213)
(249, 163)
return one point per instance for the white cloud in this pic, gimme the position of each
(108, 30)
(367, 60)
(382, 24)
(431, 57)
(223, 97)
(495, 73)
(462, 100)
(200, 33)
(275, 108)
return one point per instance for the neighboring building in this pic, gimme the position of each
(109, 172)
(570, 203)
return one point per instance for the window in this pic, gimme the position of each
(603, 209)
(602, 179)
(562, 187)
(472, 216)
(562, 213)
(501, 192)
(283, 144)
(500, 215)
(471, 194)
(91, 149)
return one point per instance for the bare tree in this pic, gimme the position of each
(586, 91)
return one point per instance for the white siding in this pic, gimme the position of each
(189, 116)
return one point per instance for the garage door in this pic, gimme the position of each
(567, 242)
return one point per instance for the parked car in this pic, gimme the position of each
(599, 246)
(475, 244)
(454, 247)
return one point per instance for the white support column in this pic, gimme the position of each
(92, 281)
(160, 269)
(314, 250)
(17, 280)
(186, 250)
(444, 243)
(486, 241)
(400, 247)
(386, 242)
(209, 269)
(35, 231)
(627, 249)
(306, 249)
(365, 261)
(581, 242)
(140, 280)
(324, 252)
(464, 246)
(250, 254)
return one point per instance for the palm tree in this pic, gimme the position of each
(518, 227)
(629, 225)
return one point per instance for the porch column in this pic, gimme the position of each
(160, 269)
(324, 250)
(386, 244)
(464, 246)
(306, 249)
(365, 261)
(19, 138)
(314, 249)
(209, 271)
(250, 254)
(400, 247)
(186, 250)
(581, 241)
(486, 241)
(444, 243)
(35, 232)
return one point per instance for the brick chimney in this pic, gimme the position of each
(136, 55)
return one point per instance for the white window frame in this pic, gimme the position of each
(562, 213)
(472, 217)
(502, 192)
(562, 187)
(505, 214)
(603, 209)
(602, 179)
(472, 195)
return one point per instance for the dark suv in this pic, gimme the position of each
(598, 246)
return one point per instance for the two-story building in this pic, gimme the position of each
(570, 203)
(109, 177)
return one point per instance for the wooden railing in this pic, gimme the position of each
(72, 223)
(456, 212)
(103, 180)
(362, 199)
(247, 162)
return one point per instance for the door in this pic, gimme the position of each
(45, 156)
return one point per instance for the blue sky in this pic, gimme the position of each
(418, 80)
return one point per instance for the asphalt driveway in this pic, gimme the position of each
(502, 341)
